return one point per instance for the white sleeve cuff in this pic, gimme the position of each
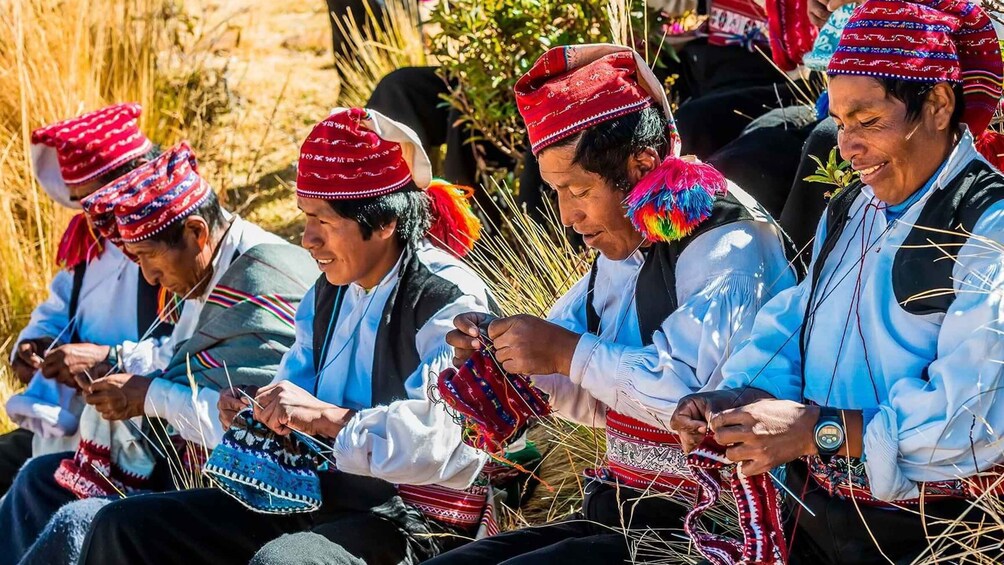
(880, 453)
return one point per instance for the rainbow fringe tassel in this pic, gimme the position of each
(674, 198)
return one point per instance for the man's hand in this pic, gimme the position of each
(766, 433)
(532, 346)
(232, 402)
(465, 340)
(694, 411)
(28, 357)
(116, 397)
(67, 361)
(284, 407)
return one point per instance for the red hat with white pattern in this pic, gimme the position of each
(81, 149)
(360, 153)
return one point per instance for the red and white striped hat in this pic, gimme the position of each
(81, 149)
(360, 153)
(149, 198)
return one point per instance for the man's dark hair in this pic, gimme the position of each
(605, 148)
(914, 94)
(409, 206)
(209, 210)
(129, 165)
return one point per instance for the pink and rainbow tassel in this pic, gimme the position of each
(674, 198)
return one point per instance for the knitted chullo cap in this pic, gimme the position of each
(150, 198)
(931, 41)
(357, 153)
(573, 88)
(81, 149)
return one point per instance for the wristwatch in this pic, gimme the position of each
(829, 433)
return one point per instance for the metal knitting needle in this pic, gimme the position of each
(789, 492)
(131, 425)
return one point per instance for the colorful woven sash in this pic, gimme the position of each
(493, 407)
(642, 457)
(846, 477)
(759, 511)
(459, 508)
(264, 471)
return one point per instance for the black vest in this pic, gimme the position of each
(146, 306)
(920, 265)
(415, 299)
(655, 292)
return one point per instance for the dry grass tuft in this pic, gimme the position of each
(382, 44)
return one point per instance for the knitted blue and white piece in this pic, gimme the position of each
(264, 471)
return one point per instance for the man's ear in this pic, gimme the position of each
(387, 231)
(641, 163)
(941, 105)
(197, 228)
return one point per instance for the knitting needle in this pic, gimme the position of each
(787, 490)
(131, 425)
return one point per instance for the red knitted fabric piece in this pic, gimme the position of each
(79, 244)
(791, 32)
(493, 405)
(758, 504)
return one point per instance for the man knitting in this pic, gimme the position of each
(71, 331)
(875, 381)
(673, 289)
(240, 286)
(370, 334)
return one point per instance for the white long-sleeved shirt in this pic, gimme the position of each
(411, 441)
(722, 278)
(866, 352)
(109, 285)
(193, 414)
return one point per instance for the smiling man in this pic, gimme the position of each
(673, 289)
(876, 380)
(369, 335)
(240, 286)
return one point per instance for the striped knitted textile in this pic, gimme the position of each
(759, 508)
(643, 457)
(929, 41)
(493, 407)
(151, 197)
(264, 471)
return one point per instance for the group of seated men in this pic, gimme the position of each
(178, 329)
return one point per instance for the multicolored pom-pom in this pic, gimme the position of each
(674, 198)
(454, 225)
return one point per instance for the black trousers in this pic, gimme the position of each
(842, 532)
(596, 535)
(362, 520)
(15, 449)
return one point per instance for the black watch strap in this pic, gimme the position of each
(829, 434)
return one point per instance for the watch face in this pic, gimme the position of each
(829, 437)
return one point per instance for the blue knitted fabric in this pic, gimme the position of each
(264, 471)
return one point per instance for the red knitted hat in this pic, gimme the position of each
(933, 41)
(572, 88)
(149, 198)
(360, 153)
(81, 149)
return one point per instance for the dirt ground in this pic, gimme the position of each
(280, 72)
